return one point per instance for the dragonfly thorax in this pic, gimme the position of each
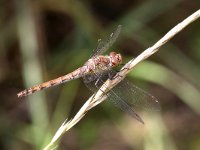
(102, 63)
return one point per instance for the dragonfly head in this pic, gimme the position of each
(115, 59)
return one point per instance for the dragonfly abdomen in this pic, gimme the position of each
(71, 76)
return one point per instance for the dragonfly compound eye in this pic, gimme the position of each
(116, 59)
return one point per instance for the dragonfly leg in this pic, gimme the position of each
(111, 75)
(97, 81)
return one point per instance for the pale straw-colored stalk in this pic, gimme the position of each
(109, 84)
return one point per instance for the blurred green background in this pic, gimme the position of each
(44, 39)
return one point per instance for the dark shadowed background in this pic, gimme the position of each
(44, 39)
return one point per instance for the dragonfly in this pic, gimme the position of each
(97, 69)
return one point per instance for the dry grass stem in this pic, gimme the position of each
(109, 84)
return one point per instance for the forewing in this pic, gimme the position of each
(104, 46)
(95, 81)
(136, 97)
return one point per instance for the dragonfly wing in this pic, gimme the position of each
(90, 82)
(104, 46)
(97, 50)
(95, 81)
(123, 105)
(136, 97)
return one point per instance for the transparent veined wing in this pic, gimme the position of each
(125, 95)
(105, 45)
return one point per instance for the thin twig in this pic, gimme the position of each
(109, 84)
